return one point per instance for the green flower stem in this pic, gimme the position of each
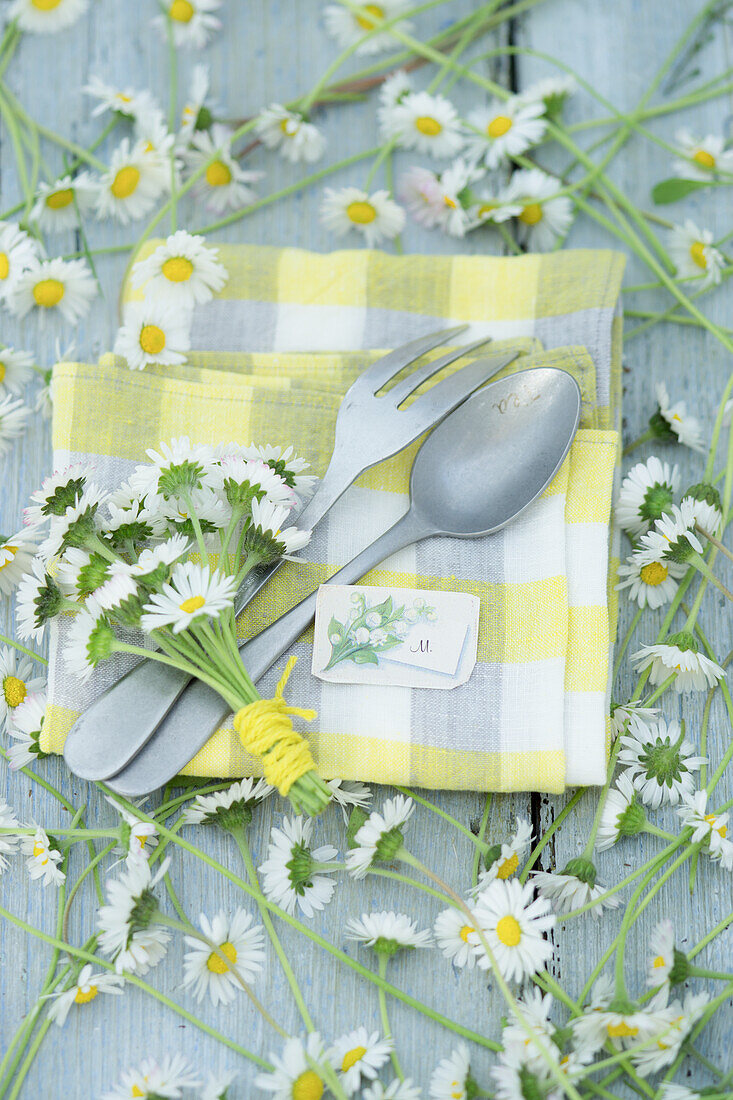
(699, 563)
(643, 438)
(545, 839)
(216, 685)
(481, 835)
(710, 936)
(9, 118)
(382, 872)
(166, 808)
(22, 649)
(79, 151)
(714, 975)
(618, 886)
(480, 844)
(97, 858)
(384, 1015)
(714, 541)
(621, 649)
(590, 843)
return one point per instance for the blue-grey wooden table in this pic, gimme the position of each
(276, 49)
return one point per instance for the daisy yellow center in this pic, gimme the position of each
(362, 213)
(4, 265)
(181, 10)
(697, 254)
(376, 11)
(83, 998)
(124, 98)
(149, 147)
(531, 214)
(215, 963)
(152, 339)
(449, 202)
(39, 850)
(193, 603)
(137, 1091)
(659, 961)
(14, 691)
(2, 371)
(654, 573)
(178, 269)
(458, 1094)
(428, 126)
(218, 174)
(466, 932)
(45, 5)
(499, 126)
(308, 1086)
(12, 550)
(352, 1057)
(508, 867)
(125, 182)
(486, 208)
(721, 829)
(621, 1031)
(704, 159)
(59, 200)
(48, 292)
(508, 931)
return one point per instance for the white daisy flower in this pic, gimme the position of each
(267, 537)
(224, 184)
(545, 215)
(380, 837)
(193, 591)
(646, 493)
(160, 145)
(502, 860)
(512, 921)
(393, 90)
(709, 828)
(294, 873)
(24, 726)
(376, 216)
(347, 27)
(518, 1047)
(57, 492)
(552, 90)
(347, 794)
(285, 463)
(456, 219)
(456, 938)
(395, 1090)
(211, 512)
(651, 583)
(16, 554)
(573, 887)
(296, 139)
(673, 538)
(660, 762)
(127, 932)
(153, 332)
(241, 480)
(621, 815)
(155, 561)
(601, 1023)
(132, 184)
(703, 501)
(661, 954)
(46, 17)
(192, 21)
(127, 102)
(356, 1055)
(427, 123)
(419, 189)
(674, 1021)
(79, 573)
(179, 452)
(8, 843)
(693, 253)
(153, 1079)
(77, 524)
(90, 639)
(17, 681)
(63, 286)
(513, 1079)
(43, 858)
(135, 835)
(505, 129)
(679, 656)
(18, 252)
(87, 986)
(633, 718)
(451, 1079)
(13, 420)
(240, 942)
(678, 1092)
(493, 209)
(16, 369)
(38, 600)
(216, 1086)
(703, 157)
(294, 1075)
(195, 114)
(387, 932)
(231, 808)
(683, 428)
(183, 271)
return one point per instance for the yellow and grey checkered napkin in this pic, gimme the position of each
(533, 715)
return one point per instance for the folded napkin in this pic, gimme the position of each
(533, 715)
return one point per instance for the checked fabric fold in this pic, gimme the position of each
(281, 344)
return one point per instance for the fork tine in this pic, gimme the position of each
(391, 364)
(408, 385)
(447, 395)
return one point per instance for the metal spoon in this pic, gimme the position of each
(475, 473)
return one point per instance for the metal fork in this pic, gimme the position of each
(369, 428)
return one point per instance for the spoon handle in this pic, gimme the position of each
(199, 710)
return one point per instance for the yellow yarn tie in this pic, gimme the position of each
(266, 730)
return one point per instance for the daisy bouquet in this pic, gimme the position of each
(159, 561)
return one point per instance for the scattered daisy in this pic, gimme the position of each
(24, 726)
(18, 252)
(17, 681)
(184, 271)
(573, 887)
(518, 1046)
(231, 808)
(703, 501)
(553, 91)
(456, 938)
(296, 139)
(456, 216)
(660, 762)
(16, 554)
(87, 986)
(39, 598)
(192, 21)
(294, 873)
(13, 421)
(427, 123)
(348, 28)
(387, 932)
(240, 942)
(703, 157)
(293, 1075)
(673, 1022)
(694, 254)
(712, 829)
(633, 718)
(195, 114)
(393, 90)
(90, 639)
(16, 369)
(46, 16)
(132, 184)
(661, 954)
(358, 1055)
(621, 816)
(513, 921)
(63, 286)
(155, 1080)
(347, 794)
(8, 842)
(135, 835)
(451, 1079)
(502, 860)
(376, 216)
(673, 538)
(650, 583)
(380, 837)
(606, 1022)
(43, 858)
(503, 130)
(646, 493)
(419, 189)
(127, 932)
(224, 184)
(127, 102)
(679, 426)
(153, 332)
(545, 215)
(678, 656)
(193, 591)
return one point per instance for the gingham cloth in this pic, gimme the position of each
(533, 715)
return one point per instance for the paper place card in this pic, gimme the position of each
(394, 636)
